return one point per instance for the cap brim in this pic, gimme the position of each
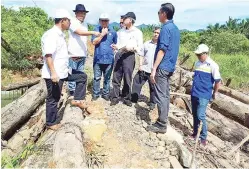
(198, 52)
(80, 11)
(104, 19)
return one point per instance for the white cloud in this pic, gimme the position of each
(190, 14)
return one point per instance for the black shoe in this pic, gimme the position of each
(94, 98)
(152, 106)
(114, 102)
(107, 98)
(71, 93)
(156, 128)
(128, 103)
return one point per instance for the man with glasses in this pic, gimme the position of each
(103, 57)
(145, 67)
(55, 69)
(77, 42)
(165, 60)
(206, 74)
(130, 41)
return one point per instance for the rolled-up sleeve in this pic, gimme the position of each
(216, 73)
(164, 38)
(93, 36)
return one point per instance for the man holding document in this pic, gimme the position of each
(129, 42)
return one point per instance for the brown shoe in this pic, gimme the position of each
(54, 127)
(81, 104)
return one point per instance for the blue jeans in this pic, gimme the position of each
(98, 69)
(76, 65)
(199, 106)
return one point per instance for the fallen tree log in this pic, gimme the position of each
(68, 150)
(225, 128)
(27, 83)
(32, 130)
(234, 94)
(15, 114)
(27, 134)
(231, 108)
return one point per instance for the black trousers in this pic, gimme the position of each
(139, 80)
(123, 68)
(54, 94)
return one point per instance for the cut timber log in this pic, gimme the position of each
(231, 108)
(27, 83)
(15, 114)
(234, 94)
(68, 150)
(28, 133)
(224, 128)
(32, 130)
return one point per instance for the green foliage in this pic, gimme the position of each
(22, 30)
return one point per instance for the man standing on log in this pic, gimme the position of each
(206, 74)
(165, 60)
(55, 69)
(77, 42)
(130, 41)
(145, 67)
(103, 57)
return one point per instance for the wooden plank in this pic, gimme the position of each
(174, 162)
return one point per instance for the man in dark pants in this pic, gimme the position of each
(55, 69)
(145, 67)
(103, 57)
(130, 41)
(165, 60)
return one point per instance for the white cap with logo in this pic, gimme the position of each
(62, 13)
(202, 48)
(104, 16)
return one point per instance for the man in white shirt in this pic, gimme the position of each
(130, 41)
(145, 67)
(55, 69)
(77, 42)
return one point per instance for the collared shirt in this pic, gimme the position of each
(205, 74)
(169, 42)
(77, 45)
(103, 53)
(53, 42)
(149, 51)
(132, 37)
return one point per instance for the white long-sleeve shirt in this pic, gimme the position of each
(132, 37)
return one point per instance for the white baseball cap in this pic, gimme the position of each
(202, 48)
(62, 13)
(104, 16)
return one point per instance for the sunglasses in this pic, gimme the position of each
(104, 20)
(121, 22)
(199, 54)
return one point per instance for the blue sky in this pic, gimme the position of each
(190, 14)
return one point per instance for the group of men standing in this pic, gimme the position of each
(114, 52)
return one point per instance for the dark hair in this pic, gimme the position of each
(169, 9)
(57, 20)
(156, 28)
(132, 21)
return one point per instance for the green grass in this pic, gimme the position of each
(231, 66)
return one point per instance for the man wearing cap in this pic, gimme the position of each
(145, 67)
(165, 60)
(206, 74)
(103, 57)
(55, 69)
(130, 41)
(77, 42)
